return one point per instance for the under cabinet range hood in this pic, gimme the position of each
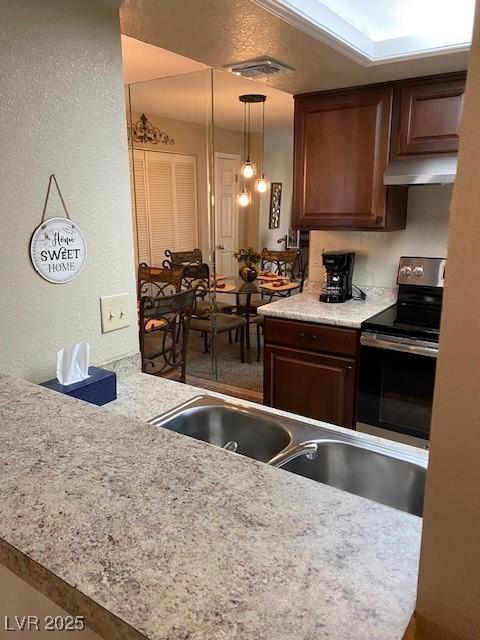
(438, 170)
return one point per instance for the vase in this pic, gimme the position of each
(248, 272)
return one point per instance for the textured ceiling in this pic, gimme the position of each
(219, 32)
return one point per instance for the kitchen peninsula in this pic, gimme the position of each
(150, 534)
(316, 345)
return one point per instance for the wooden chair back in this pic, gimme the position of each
(159, 281)
(196, 276)
(288, 263)
(164, 327)
(282, 263)
(182, 257)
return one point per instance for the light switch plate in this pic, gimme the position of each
(115, 312)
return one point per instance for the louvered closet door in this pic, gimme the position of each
(141, 232)
(186, 203)
(161, 206)
(166, 215)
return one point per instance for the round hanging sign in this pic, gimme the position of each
(58, 250)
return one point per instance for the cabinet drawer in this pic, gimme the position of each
(312, 337)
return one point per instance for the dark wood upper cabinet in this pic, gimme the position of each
(342, 142)
(430, 113)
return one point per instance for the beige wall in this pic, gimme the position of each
(62, 111)
(278, 168)
(377, 254)
(191, 138)
(17, 598)
(449, 586)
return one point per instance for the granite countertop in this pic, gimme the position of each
(150, 534)
(308, 308)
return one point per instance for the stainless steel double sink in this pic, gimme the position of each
(385, 474)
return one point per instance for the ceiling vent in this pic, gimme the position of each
(258, 69)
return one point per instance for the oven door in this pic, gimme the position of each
(397, 377)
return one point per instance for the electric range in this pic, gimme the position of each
(399, 348)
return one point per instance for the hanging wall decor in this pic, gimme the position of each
(57, 248)
(275, 203)
(145, 132)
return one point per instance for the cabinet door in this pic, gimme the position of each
(341, 152)
(310, 384)
(430, 116)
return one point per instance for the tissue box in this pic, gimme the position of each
(100, 388)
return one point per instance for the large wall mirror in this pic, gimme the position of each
(190, 136)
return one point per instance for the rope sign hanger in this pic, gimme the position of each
(58, 248)
(54, 180)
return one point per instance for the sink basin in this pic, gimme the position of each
(373, 469)
(382, 478)
(228, 426)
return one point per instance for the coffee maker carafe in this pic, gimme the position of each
(338, 277)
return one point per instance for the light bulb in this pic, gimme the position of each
(262, 184)
(248, 169)
(244, 198)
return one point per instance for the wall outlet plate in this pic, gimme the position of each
(316, 259)
(115, 312)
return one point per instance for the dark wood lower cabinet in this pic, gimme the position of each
(311, 384)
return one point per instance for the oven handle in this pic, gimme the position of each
(398, 344)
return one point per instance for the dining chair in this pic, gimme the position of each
(298, 274)
(159, 281)
(164, 327)
(210, 324)
(281, 263)
(197, 275)
(183, 257)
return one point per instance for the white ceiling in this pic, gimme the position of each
(378, 31)
(383, 20)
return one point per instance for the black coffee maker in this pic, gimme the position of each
(338, 278)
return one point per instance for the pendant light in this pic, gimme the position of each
(248, 168)
(244, 198)
(262, 184)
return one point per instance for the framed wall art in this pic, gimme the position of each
(275, 204)
(293, 239)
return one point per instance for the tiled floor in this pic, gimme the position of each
(233, 377)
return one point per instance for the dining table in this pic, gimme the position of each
(266, 286)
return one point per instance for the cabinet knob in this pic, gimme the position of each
(349, 367)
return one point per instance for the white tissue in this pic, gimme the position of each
(72, 363)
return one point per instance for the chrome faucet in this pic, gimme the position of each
(307, 449)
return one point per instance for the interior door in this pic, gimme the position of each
(226, 213)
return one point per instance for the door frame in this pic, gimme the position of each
(229, 156)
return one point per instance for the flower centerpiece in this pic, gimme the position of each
(250, 259)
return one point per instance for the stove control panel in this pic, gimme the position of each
(426, 272)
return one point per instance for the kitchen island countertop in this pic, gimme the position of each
(307, 307)
(150, 534)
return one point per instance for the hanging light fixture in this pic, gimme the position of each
(244, 198)
(248, 168)
(262, 184)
